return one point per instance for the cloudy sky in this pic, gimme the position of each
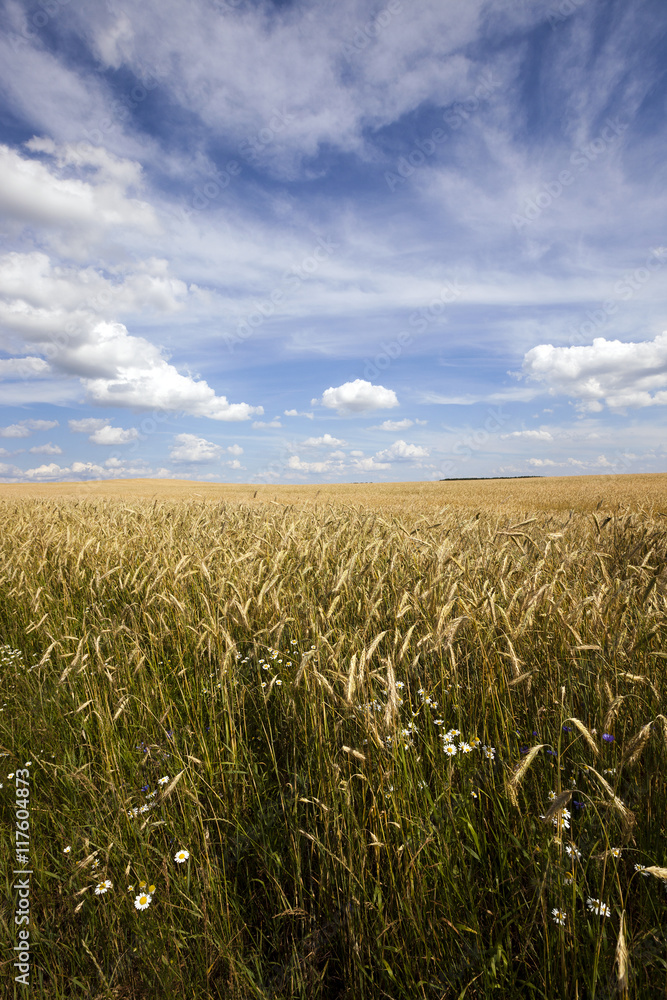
(333, 241)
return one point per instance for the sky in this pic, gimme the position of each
(264, 241)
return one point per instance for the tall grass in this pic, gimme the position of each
(415, 758)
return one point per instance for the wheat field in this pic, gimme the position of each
(399, 741)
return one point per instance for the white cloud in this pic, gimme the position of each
(190, 448)
(46, 449)
(25, 427)
(541, 435)
(114, 435)
(396, 425)
(81, 211)
(296, 413)
(29, 367)
(359, 396)
(55, 472)
(401, 451)
(542, 462)
(326, 439)
(43, 305)
(607, 372)
(235, 449)
(87, 425)
(266, 423)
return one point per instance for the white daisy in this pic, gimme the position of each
(163, 781)
(559, 915)
(103, 887)
(181, 856)
(143, 901)
(450, 749)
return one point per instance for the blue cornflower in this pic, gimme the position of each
(567, 729)
(607, 737)
(144, 788)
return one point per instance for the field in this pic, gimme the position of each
(353, 741)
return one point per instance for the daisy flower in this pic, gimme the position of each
(616, 852)
(559, 915)
(641, 868)
(278, 683)
(67, 850)
(455, 732)
(573, 851)
(181, 856)
(597, 907)
(130, 888)
(465, 748)
(103, 887)
(552, 795)
(143, 901)
(475, 741)
(490, 753)
(450, 749)
(163, 781)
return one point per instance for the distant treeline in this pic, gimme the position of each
(470, 479)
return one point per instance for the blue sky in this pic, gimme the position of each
(340, 241)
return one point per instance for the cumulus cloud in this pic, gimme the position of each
(80, 210)
(29, 367)
(266, 423)
(46, 449)
(296, 413)
(531, 435)
(326, 439)
(87, 425)
(606, 372)
(48, 308)
(397, 425)
(114, 435)
(190, 448)
(24, 428)
(359, 396)
(235, 449)
(401, 451)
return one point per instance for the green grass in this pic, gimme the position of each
(335, 849)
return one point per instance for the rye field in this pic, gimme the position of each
(335, 742)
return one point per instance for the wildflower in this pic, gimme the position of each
(263, 684)
(142, 885)
(278, 683)
(130, 888)
(151, 889)
(489, 753)
(143, 902)
(552, 795)
(67, 850)
(465, 748)
(607, 737)
(293, 642)
(475, 741)
(455, 732)
(641, 868)
(616, 852)
(573, 851)
(144, 808)
(163, 781)
(144, 788)
(103, 887)
(400, 684)
(597, 907)
(569, 879)
(567, 729)
(474, 795)
(181, 856)
(450, 749)
(10, 776)
(559, 915)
